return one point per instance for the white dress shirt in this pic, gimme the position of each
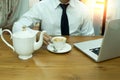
(49, 13)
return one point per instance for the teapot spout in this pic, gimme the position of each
(38, 44)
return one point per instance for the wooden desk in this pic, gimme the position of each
(45, 65)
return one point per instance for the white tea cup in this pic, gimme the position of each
(58, 42)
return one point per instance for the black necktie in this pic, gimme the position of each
(64, 20)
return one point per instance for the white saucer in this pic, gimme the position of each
(64, 50)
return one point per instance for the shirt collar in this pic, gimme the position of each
(57, 2)
(72, 3)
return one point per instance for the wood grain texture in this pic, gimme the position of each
(45, 65)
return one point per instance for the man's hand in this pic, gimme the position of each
(46, 38)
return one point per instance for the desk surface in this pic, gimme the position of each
(45, 65)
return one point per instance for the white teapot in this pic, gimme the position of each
(24, 42)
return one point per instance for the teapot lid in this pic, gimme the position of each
(25, 33)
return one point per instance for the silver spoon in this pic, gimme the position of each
(54, 49)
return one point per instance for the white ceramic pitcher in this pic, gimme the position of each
(24, 42)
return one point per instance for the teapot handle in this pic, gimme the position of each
(8, 44)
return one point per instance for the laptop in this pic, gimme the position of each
(104, 48)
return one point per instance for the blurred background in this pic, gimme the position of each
(102, 11)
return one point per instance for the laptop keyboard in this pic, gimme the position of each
(95, 50)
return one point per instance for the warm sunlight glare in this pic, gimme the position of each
(100, 4)
(96, 7)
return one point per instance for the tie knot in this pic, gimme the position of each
(64, 6)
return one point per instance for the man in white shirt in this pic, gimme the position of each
(49, 13)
